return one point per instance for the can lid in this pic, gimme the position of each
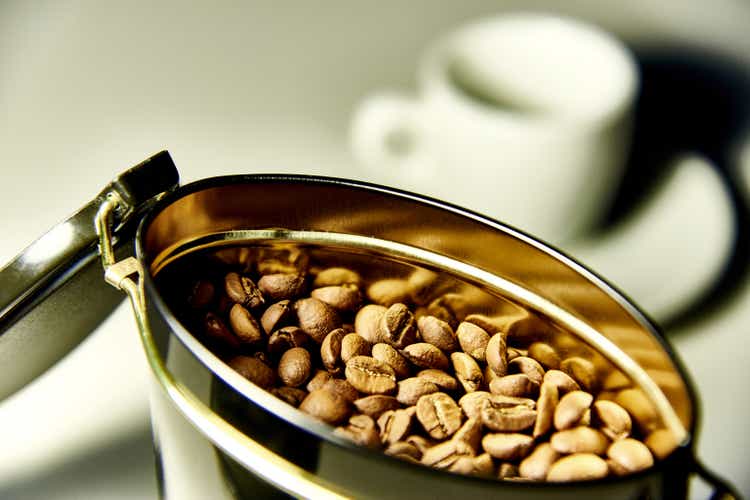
(52, 294)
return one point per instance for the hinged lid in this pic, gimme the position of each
(53, 294)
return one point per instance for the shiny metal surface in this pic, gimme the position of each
(52, 294)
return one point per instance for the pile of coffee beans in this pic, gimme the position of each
(401, 364)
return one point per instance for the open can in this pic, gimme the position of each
(143, 226)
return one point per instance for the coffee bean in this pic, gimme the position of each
(507, 470)
(316, 318)
(579, 440)
(376, 404)
(470, 433)
(242, 290)
(343, 298)
(342, 388)
(438, 377)
(244, 325)
(439, 415)
(420, 442)
(318, 380)
(513, 353)
(398, 326)
(354, 345)
(291, 395)
(286, 338)
(510, 446)
(337, 276)
(277, 315)
(281, 286)
(367, 323)
(294, 367)
(473, 340)
(483, 465)
(360, 430)
(628, 456)
(370, 376)
(661, 442)
(536, 466)
(578, 467)
(582, 371)
(639, 408)
(529, 367)
(216, 330)
(426, 355)
(201, 294)
(510, 419)
(612, 419)
(395, 425)
(562, 381)
(445, 454)
(282, 259)
(467, 370)
(411, 389)
(449, 307)
(546, 406)
(472, 403)
(400, 449)
(496, 354)
(326, 406)
(438, 333)
(517, 385)
(390, 356)
(330, 350)
(545, 354)
(254, 370)
(424, 285)
(387, 292)
(571, 409)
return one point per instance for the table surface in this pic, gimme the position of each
(89, 88)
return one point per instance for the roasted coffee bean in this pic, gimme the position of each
(517, 385)
(244, 325)
(639, 408)
(489, 376)
(401, 449)
(286, 338)
(294, 367)
(439, 415)
(316, 318)
(612, 419)
(398, 326)
(242, 290)
(367, 323)
(510, 419)
(281, 286)
(342, 388)
(438, 333)
(571, 409)
(292, 395)
(390, 356)
(388, 292)
(473, 340)
(201, 295)
(578, 467)
(216, 330)
(628, 455)
(330, 350)
(343, 298)
(661, 442)
(426, 355)
(467, 371)
(254, 370)
(370, 376)
(337, 276)
(326, 406)
(411, 389)
(376, 404)
(354, 345)
(507, 470)
(546, 405)
(277, 316)
(536, 466)
(470, 433)
(424, 285)
(472, 403)
(318, 380)
(360, 430)
(579, 440)
(483, 465)
(440, 378)
(562, 381)
(510, 446)
(529, 367)
(282, 259)
(421, 442)
(582, 371)
(395, 425)
(445, 454)
(513, 353)
(496, 354)
(545, 354)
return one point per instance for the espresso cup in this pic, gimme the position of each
(525, 117)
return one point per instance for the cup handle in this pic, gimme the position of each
(387, 138)
(721, 489)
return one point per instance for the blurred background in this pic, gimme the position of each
(89, 88)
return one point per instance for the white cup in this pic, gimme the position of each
(524, 117)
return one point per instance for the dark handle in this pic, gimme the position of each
(722, 489)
